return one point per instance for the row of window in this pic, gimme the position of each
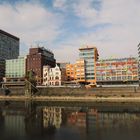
(118, 78)
(53, 84)
(52, 78)
(14, 76)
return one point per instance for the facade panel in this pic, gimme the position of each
(15, 68)
(117, 71)
(90, 56)
(9, 49)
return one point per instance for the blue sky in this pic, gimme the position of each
(65, 25)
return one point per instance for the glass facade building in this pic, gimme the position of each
(15, 68)
(139, 62)
(90, 56)
(9, 46)
(9, 49)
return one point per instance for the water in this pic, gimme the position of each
(69, 121)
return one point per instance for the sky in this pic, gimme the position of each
(63, 26)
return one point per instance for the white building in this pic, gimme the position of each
(53, 76)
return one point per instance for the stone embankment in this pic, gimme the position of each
(110, 91)
(115, 94)
(70, 99)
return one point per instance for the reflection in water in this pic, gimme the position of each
(52, 117)
(29, 120)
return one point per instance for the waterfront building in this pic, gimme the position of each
(84, 70)
(80, 71)
(139, 62)
(15, 69)
(90, 56)
(117, 71)
(36, 59)
(2, 69)
(76, 72)
(53, 76)
(71, 72)
(9, 49)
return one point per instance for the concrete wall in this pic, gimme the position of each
(13, 91)
(94, 91)
(61, 91)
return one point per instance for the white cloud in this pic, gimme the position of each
(30, 21)
(85, 11)
(121, 37)
(66, 53)
(33, 22)
(110, 42)
(60, 4)
(111, 11)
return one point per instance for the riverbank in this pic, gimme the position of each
(70, 99)
(66, 91)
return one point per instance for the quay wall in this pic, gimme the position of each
(65, 91)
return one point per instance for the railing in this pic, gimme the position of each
(29, 88)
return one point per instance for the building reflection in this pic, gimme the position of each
(31, 120)
(52, 117)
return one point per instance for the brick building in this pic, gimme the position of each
(36, 59)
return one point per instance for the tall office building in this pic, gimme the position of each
(90, 56)
(139, 62)
(2, 69)
(9, 49)
(36, 59)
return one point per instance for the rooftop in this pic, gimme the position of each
(87, 47)
(8, 34)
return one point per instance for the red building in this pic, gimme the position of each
(36, 59)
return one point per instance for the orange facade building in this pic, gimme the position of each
(76, 72)
(80, 71)
(84, 70)
(71, 72)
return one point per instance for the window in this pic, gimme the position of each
(56, 83)
(56, 78)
